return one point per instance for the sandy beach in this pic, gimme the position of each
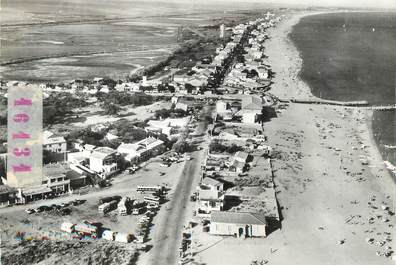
(336, 197)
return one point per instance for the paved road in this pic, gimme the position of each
(168, 229)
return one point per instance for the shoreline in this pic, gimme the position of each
(304, 91)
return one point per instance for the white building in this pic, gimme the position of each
(239, 224)
(221, 106)
(142, 150)
(103, 160)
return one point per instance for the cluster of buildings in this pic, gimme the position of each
(71, 165)
(250, 109)
(250, 74)
(236, 192)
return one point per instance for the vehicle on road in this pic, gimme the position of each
(65, 211)
(43, 208)
(149, 189)
(109, 199)
(107, 207)
(78, 202)
(64, 204)
(30, 211)
(153, 200)
(56, 206)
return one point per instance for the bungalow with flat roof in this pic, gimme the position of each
(208, 200)
(182, 106)
(238, 224)
(151, 147)
(129, 151)
(142, 150)
(54, 177)
(238, 162)
(103, 160)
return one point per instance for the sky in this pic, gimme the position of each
(351, 3)
(388, 4)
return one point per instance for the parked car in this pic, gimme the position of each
(78, 202)
(64, 204)
(56, 206)
(43, 208)
(30, 211)
(109, 199)
(65, 211)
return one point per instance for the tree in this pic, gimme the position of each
(112, 144)
(3, 120)
(3, 169)
(58, 105)
(87, 136)
(111, 109)
(181, 147)
(217, 147)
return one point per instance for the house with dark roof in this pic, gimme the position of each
(238, 224)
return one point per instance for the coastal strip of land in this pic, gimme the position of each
(330, 179)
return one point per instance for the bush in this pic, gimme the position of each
(181, 147)
(166, 113)
(124, 98)
(58, 105)
(217, 147)
(87, 136)
(3, 120)
(111, 109)
(3, 169)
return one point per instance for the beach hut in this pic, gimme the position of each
(123, 237)
(108, 235)
(67, 227)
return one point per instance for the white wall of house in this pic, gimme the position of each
(237, 229)
(249, 117)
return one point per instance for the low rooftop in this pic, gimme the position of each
(238, 218)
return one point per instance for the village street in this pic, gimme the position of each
(167, 233)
